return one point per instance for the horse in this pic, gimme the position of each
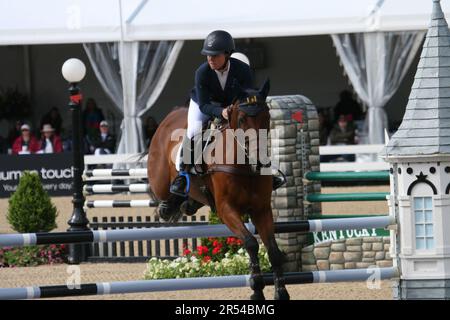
(235, 189)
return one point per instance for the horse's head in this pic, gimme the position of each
(250, 110)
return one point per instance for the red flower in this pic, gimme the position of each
(186, 252)
(230, 240)
(202, 250)
(217, 244)
(207, 259)
(216, 250)
(239, 242)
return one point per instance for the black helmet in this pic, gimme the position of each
(218, 42)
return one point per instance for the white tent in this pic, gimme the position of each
(130, 21)
(81, 21)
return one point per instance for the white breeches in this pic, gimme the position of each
(196, 118)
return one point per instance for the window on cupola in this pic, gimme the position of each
(423, 214)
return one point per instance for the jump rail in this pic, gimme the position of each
(348, 176)
(112, 188)
(335, 197)
(116, 173)
(120, 203)
(102, 288)
(97, 236)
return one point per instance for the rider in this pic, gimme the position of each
(214, 90)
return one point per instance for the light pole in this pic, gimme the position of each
(74, 70)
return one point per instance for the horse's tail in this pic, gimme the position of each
(142, 155)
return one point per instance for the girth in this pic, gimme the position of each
(232, 170)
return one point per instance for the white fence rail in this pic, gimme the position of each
(351, 149)
(361, 164)
(365, 156)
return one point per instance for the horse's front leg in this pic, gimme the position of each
(232, 219)
(256, 278)
(276, 258)
(263, 221)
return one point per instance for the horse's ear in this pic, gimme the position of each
(264, 91)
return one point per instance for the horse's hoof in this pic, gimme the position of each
(281, 294)
(175, 216)
(163, 210)
(257, 295)
(189, 208)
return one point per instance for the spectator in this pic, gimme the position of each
(14, 133)
(50, 141)
(92, 116)
(149, 129)
(347, 105)
(26, 143)
(67, 142)
(103, 143)
(53, 117)
(324, 129)
(342, 134)
(3, 145)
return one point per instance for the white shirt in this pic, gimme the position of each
(48, 146)
(223, 75)
(104, 135)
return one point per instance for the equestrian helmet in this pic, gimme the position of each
(218, 42)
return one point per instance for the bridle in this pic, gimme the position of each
(251, 106)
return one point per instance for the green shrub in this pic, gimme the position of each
(30, 207)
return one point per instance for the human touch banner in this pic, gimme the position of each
(55, 171)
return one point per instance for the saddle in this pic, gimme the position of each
(203, 140)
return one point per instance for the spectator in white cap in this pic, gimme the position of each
(104, 143)
(26, 143)
(50, 142)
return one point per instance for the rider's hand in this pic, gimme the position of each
(225, 114)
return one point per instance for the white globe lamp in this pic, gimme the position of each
(73, 70)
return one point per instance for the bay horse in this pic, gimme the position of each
(235, 188)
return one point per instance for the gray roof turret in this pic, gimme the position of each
(425, 129)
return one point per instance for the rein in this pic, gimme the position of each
(223, 168)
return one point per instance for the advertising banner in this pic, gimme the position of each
(55, 171)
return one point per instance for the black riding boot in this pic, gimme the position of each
(277, 182)
(178, 186)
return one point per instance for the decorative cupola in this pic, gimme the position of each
(419, 157)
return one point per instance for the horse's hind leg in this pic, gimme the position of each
(233, 220)
(264, 225)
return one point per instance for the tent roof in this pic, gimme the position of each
(76, 21)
